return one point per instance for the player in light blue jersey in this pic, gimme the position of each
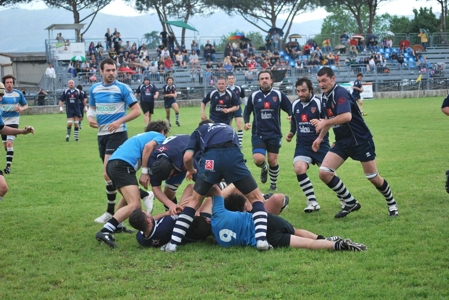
(107, 111)
(13, 103)
(121, 169)
(7, 130)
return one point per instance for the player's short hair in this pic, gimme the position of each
(161, 168)
(7, 77)
(200, 229)
(80, 87)
(207, 121)
(305, 80)
(158, 126)
(326, 71)
(169, 77)
(229, 74)
(107, 61)
(221, 78)
(138, 220)
(265, 71)
(359, 74)
(235, 202)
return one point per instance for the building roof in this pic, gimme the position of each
(65, 26)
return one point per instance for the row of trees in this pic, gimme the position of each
(359, 15)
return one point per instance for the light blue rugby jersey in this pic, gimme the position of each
(131, 150)
(111, 102)
(9, 102)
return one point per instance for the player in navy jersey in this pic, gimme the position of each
(235, 228)
(238, 116)
(357, 89)
(147, 93)
(352, 139)
(169, 91)
(72, 98)
(108, 101)
(445, 110)
(13, 104)
(223, 103)
(7, 130)
(83, 103)
(221, 158)
(121, 169)
(266, 105)
(167, 163)
(304, 109)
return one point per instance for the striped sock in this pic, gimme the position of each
(183, 223)
(385, 190)
(111, 193)
(110, 226)
(306, 186)
(342, 193)
(274, 173)
(9, 157)
(76, 131)
(260, 220)
(240, 136)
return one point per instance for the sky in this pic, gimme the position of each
(395, 7)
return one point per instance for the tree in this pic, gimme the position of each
(76, 6)
(265, 12)
(400, 24)
(179, 9)
(13, 3)
(152, 39)
(357, 10)
(424, 18)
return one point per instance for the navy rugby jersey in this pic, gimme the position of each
(169, 90)
(147, 92)
(267, 112)
(218, 102)
(173, 148)
(353, 133)
(211, 134)
(302, 113)
(239, 92)
(72, 98)
(358, 84)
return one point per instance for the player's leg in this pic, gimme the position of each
(185, 219)
(145, 109)
(126, 182)
(332, 161)
(167, 111)
(248, 187)
(69, 128)
(10, 150)
(176, 109)
(259, 154)
(273, 169)
(239, 123)
(301, 164)
(371, 173)
(76, 130)
(360, 103)
(150, 111)
(3, 186)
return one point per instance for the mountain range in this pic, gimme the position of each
(24, 30)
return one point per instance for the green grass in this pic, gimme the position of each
(48, 249)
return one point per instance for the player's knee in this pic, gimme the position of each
(326, 173)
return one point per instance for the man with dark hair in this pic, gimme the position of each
(235, 228)
(107, 112)
(306, 108)
(121, 169)
(147, 93)
(223, 103)
(352, 139)
(72, 98)
(221, 158)
(266, 105)
(240, 93)
(13, 103)
(169, 91)
(357, 89)
(167, 163)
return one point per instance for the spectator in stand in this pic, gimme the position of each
(276, 39)
(98, 47)
(360, 47)
(133, 51)
(185, 55)
(327, 46)
(389, 42)
(180, 60)
(227, 64)
(213, 54)
(168, 63)
(193, 58)
(171, 42)
(252, 64)
(117, 41)
(91, 48)
(194, 47)
(159, 50)
(50, 76)
(207, 53)
(384, 43)
(146, 63)
(153, 70)
(108, 39)
(337, 60)
(127, 46)
(60, 38)
(353, 50)
(400, 59)
(423, 37)
(330, 58)
(143, 53)
(344, 38)
(269, 42)
(228, 49)
(41, 97)
(164, 35)
(165, 53)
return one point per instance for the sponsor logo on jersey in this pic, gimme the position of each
(304, 118)
(266, 105)
(209, 165)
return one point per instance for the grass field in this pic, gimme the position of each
(48, 249)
